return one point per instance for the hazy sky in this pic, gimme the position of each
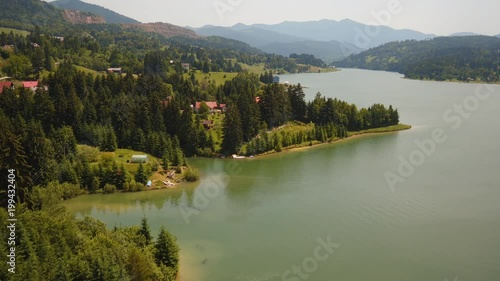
(441, 17)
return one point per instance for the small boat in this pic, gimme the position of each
(238, 157)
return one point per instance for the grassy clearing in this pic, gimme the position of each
(219, 77)
(121, 156)
(86, 70)
(15, 31)
(395, 128)
(258, 68)
(216, 131)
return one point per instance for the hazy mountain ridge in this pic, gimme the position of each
(109, 15)
(326, 39)
(344, 31)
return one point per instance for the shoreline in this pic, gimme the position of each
(351, 136)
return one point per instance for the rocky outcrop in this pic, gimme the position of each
(165, 29)
(78, 17)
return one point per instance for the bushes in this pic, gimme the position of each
(109, 188)
(52, 194)
(191, 175)
(134, 186)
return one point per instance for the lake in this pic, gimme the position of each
(416, 205)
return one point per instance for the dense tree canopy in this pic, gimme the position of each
(444, 58)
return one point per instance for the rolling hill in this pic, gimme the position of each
(24, 14)
(443, 58)
(108, 15)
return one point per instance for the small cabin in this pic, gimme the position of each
(139, 159)
(276, 79)
(116, 70)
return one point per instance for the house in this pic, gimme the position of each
(211, 104)
(186, 66)
(257, 99)
(117, 70)
(223, 107)
(6, 85)
(32, 85)
(139, 159)
(276, 79)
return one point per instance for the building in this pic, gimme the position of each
(276, 79)
(211, 104)
(186, 66)
(117, 70)
(32, 85)
(139, 159)
(223, 107)
(6, 85)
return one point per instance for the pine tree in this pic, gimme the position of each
(164, 161)
(233, 136)
(167, 251)
(145, 231)
(141, 175)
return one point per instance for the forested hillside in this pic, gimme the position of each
(24, 14)
(108, 15)
(467, 58)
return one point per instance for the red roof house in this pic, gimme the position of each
(211, 104)
(6, 85)
(30, 85)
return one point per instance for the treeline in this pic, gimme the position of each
(278, 104)
(51, 244)
(277, 141)
(467, 58)
(308, 59)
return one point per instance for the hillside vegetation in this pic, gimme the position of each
(108, 15)
(466, 58)
(24, 14)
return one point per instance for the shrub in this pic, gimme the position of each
(89, 153)
(191, 175)
(109, 188)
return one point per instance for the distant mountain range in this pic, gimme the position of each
(108, 15)
(326, 39)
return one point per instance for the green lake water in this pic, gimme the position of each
(255, 219)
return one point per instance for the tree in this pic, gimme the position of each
(145, 231)
(108, 141)
(141, 175)
(297, 101)
(232, 133)
(164, 161)
(275, 105)
(167, 251)
(204, 109)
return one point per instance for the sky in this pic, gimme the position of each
(440, 17)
